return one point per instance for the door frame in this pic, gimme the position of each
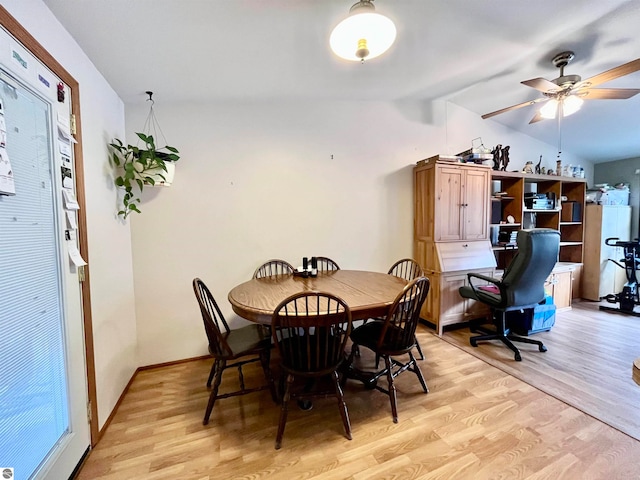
(31, 44)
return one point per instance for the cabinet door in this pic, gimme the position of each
(449, 204)
(476, 204)
(559, 286)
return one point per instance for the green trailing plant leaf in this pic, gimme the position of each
(136, 167)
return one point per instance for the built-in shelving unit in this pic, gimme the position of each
(567, 217)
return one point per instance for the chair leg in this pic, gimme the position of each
(342, 406)
(418, 372)
(419, 350)
(212, 373)
(214, 391)
(284, 411)
(515, 338)
(501, 334)
(392, 389)
(507, 342)
(265, 361)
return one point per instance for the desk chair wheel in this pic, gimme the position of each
(473, 342)
(518, 357)
(542, 348)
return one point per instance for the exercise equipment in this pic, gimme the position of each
(629, 297)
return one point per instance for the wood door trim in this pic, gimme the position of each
(30, 43)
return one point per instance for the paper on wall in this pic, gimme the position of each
(3, 132)
(64, 128)
(71, 220)
(74, 254)
(69, 198)
(7, 184)
(65, 147)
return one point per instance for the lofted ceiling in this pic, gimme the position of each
(473, 53)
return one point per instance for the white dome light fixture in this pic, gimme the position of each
(363, 34)
(569, 104)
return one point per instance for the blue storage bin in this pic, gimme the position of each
(533, 320)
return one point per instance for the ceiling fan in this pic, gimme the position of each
(568, 91)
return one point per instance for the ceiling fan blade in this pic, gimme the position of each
(536, 118)
(614, 73)
(608, 93)
(514, 107)
(541, 84)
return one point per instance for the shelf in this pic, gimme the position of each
(504, 247)
(533, 210)
(533, 178)
(501, 198)
(505, 224)
(517, 185)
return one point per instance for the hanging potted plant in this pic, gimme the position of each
(140, 166)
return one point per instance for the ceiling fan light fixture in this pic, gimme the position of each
(363, 34)
(549, 109)
(571, 105)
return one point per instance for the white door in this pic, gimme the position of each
(44, 429)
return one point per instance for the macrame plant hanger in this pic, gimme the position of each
(151, 125)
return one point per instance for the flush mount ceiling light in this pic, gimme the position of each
(363, 34)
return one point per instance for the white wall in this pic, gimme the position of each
(110, 264)
(283, 180)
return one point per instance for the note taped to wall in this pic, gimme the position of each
(7, 184)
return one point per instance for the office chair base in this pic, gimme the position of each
(506, 338)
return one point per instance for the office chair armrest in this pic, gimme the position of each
(494, 281)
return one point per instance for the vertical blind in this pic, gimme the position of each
(33, 388)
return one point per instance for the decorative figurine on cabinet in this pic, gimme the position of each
(538, 169)
(496, 157)
(528, 167)
(505, 158)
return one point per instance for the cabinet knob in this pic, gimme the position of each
(465, 245)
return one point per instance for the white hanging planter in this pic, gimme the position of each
(158, 173)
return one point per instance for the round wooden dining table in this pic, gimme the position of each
(368, 294)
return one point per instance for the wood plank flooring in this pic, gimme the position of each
(589, 363)
(477, 422)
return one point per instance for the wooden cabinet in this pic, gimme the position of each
(453, 191)
(559, 285)
(444, 305)
(602, 277)
(451, 236)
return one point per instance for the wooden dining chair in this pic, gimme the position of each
(272, 268)
(239, 346)
(408, 269)
(310, 331)
(325, 264)
(394, 337)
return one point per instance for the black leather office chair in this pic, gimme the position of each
(521, 286)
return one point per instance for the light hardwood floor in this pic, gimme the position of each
(477, 422)
(589, 363)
